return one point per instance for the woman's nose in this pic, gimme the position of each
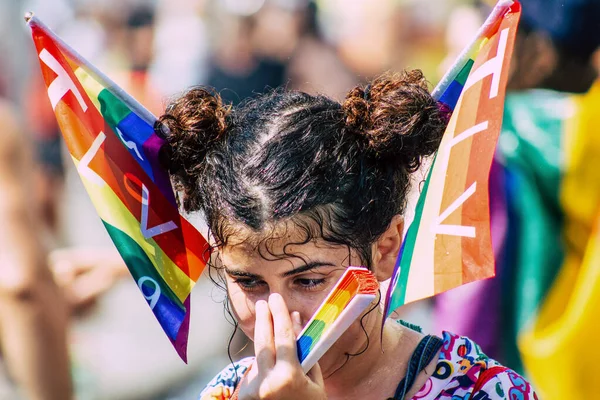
(298, 307)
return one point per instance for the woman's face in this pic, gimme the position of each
(303, 279)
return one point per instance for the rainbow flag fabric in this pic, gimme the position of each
(555, 321)
(540, 312)
(448, 243)
(356, 289)
(111, 139)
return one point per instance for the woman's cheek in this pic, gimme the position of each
(243, 311)
(306, 308)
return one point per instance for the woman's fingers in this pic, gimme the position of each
(285, 339)
(296, 323)
(264, 345)
(316, 375)
(276, 372)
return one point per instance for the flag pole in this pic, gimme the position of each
(448, 77)
(109, 84)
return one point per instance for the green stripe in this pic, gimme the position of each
(464, 72)
(113, 110)
(399, 293)
(531, 147)
(138, 262)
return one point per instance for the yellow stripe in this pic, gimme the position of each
(559, 348)
(90, 85)
(113, 212)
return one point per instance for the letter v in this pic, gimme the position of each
(158, 229)
(455, 230)
(84, 164)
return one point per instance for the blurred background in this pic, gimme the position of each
(154, 50)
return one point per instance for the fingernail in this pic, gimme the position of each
(275, 297)
(296, 318)
(296, 323)
(260, 304)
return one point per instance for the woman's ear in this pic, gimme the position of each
(386, 248)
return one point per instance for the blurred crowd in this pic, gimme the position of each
(69, 322)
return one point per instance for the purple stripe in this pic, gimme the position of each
(180, 343)
(473, 309)
(152, 148)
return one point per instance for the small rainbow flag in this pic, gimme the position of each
(112, 142)
(353, 293)
(448, 243)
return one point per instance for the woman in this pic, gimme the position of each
(295, 188)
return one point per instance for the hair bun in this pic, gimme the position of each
(398, 118)
(192, 124)
(194, 121)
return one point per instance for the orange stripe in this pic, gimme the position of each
(475, 258)
(448, 248)
(480, 161)
(480, 248)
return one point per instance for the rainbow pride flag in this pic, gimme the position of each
(448, 243)
(352, 294)
(112, 142)
(540, 313)
(555, 317)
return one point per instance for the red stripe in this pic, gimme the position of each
(481, 263)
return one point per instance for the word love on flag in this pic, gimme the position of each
(448, 243)
(111, 139)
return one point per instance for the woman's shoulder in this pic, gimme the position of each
(221, 387)
(463, 368)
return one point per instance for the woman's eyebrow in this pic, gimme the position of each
(241, 274)
(307, 267)
(299, 270)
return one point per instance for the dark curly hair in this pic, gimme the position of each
(339, 172)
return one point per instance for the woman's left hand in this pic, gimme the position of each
(276, 372)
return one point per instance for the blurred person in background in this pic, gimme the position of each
(33, 314)
(251, 50)
(364, 34)
(545, 197)
(138, 47)
(181, 44)
(372, 36)
(315, 66)
(49, 173)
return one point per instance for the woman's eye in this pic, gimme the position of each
(250, 285)
(309, 284)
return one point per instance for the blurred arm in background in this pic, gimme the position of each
(33, 317)
(85, 274)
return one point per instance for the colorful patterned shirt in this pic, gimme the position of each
(463, 372)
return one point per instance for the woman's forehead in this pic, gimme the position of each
(286, 250)
(277, 237)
